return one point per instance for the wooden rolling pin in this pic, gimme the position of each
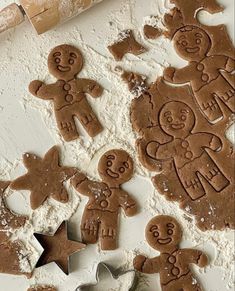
(43, 14)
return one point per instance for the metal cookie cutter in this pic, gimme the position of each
(114, 273)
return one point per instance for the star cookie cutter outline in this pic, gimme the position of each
(114, 274)
(65, 224)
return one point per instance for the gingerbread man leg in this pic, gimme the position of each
(191, 182)
(66, 124)
(208, 104)
(212, 173)
(108, 232)
(88, 118)
(90, 226)
(206, 98)
(226, 93)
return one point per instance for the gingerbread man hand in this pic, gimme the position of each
(139, 262)
(216, 143)
(169, 73)
(203, 261)
(34, 86)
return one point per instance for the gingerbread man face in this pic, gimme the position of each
(192, 43)
(176, 119)
(163, 233)
(115, 167)
(65, 62)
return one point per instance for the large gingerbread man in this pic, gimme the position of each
(100, 217)
(204, 72)
(163, 233)
(69, 93)
(192, 162)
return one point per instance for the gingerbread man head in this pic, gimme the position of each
(65, 62)
(115, 167)
(176, 119)
(163, 233)
(192, 43)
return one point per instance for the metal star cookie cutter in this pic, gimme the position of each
(46, 256)
(114, 273)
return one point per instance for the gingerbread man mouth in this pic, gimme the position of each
(64, 69)
(192, 50)
(164, 241)
(112, 174)
(178, 126)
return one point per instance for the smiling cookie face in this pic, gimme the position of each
(176, 119)
(115, 167)
(163, 233)
(65, 62)
(192, 43)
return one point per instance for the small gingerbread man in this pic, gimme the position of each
(100, 217)
(204, 71)
(163, 233)
(187, 150)
(69, 93)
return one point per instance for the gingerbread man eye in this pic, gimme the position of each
(126, 165)
(109, 164)
(122, 170)
(155, 233)
(57, 60)
(169, 119)
(71, 61)
(198, 41)
(170, 231)
(183, 117)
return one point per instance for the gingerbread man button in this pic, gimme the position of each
(187, 149)
(69, 93)
(204, 71)
(100, 217)
(163, 233)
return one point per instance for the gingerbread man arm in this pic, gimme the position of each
(147, 266)
(210, 141)
(195, 257)
(159, 151)
(178, 76)
(128, 204)
(89, 86)
(225, 63)
(41, 90)
(82, 184)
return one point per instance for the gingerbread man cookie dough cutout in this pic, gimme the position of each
(100, 217)
(204, 71)
(188, 150)
(163, 233)
(69, 93)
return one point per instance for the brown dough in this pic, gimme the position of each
(151, 32)
(198, 173)
(57, 248)
(8, 220)
(136, 83)
(10, 253)
(45, 178)
(69, 93)
(42, 288)
(100, 217)
(163, 233)
(126, 44)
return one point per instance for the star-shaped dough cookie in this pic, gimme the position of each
(57, 248)
(45, 178)
(8, 219)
